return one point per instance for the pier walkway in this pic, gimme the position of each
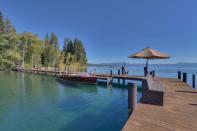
(178, 113)
(125, 77)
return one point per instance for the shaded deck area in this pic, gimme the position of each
(179, 110)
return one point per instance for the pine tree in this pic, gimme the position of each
(8, 26)
(66, 41)
(2, 27)
(65, 48)
(54, 40)
(45, 53)
(80, 53)
(46, 41)
(70, 47)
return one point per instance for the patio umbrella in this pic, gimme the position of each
(149, 53)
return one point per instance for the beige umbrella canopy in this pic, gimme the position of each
(149, 53)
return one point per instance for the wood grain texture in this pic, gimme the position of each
(179, 112)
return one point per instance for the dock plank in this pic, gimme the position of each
(179, 112)
(126, 77)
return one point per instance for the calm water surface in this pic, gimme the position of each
(30, 102)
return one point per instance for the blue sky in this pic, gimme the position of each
(113, 29)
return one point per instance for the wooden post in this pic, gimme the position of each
(118, 77)
(185, 77)
(179, 75)
(68, 70)
(122, 69)
(111, 73)
(153, 73)
(145, 71)
(123, 81)
(109, 81)
(94, 71)
(45, 71)
(132, 97)
(193, 81)
(56, 73)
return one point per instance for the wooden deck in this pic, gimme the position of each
(36, 70)
(179, 112)
(125, 77)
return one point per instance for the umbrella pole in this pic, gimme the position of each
(147, 66)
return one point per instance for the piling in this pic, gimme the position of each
(153, 73)
(111, 72)
(109, 81)
(179, 75)
(123, 81)
(118, 77)
(68, 70)
(185, 77)
(123, 70)
(94, 71)
(132, 97)
(45, 72)
(193, 81)
(145, 71)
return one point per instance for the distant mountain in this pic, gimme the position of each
(115, 64)
(109, 64)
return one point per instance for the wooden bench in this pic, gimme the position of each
(152, 91)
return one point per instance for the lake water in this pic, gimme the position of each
(30, 102)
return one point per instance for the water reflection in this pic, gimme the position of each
(39, 102)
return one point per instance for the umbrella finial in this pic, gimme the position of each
(146, 48)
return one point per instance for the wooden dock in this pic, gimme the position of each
(178, 113)
(119, 77)
(125, 77)
(109, 78)
(39, 71)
